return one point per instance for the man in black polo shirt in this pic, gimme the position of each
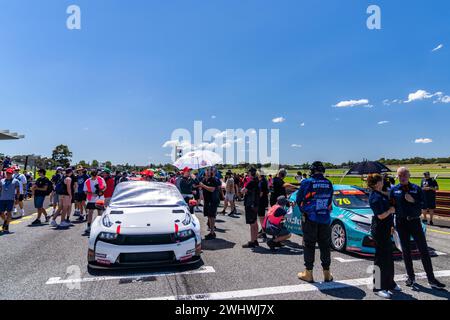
(429, 187)
(408, 200)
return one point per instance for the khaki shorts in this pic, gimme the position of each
(65, 201)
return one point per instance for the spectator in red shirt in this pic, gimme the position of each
(110, 186)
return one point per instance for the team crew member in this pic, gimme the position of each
(382, 227)
(211, 189)
(230, 194)
(263, 201)
(65, 190)
(408, 199)
(251, 193)
(279, 187)
(186, 185)
(54, 197)
(429, 187)
(41, 189)
(274, 224)
(80, 195)
(9, 190)
(23, 187)
(315, 201)
(94, 187)
(110, 186)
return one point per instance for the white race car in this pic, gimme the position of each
(146, 224)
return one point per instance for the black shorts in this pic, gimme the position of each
(91, 206)
(19, 198)
(210, 209)
(80, 197)
(251, 215)
(262, 211)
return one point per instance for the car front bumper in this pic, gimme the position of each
(111, 256)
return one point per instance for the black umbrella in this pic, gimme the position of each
(368, 167)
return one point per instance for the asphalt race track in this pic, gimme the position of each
(42, 263)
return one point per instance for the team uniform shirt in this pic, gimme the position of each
(429, 196)
(251, 198)
(315, 198)
(23, 181)
(186, 186)
(403, 208)
(278, 190)
(93, 197)
(380, 203)
(212, 197)
(8, 189)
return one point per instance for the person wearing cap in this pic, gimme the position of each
(274, 223)
(23, 187)
(315, 199)
(80, 195)
(9, 190)
(251, 193)
(186, 184)
(94, 187)
(429, 187)
(110, 186)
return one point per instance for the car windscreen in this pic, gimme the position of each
(142, 194)
(351, 199)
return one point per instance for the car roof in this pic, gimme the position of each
(339, 187)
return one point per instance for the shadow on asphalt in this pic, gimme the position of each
(347, 292)
(217, 244)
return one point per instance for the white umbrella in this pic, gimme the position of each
(198, 159)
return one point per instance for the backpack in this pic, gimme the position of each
(60, 187)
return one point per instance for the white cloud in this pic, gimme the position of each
(213, 117)
(423, 140)
(302, 124)
(383, 122)
(422, 95)
(296, 145)
(445, 99)
(439, 47)
(226, 145)
(219, 135)
(278, 120)
(352, 103)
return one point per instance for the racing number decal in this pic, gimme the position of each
(343, 201)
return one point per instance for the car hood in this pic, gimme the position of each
(358, 215)
(148, 220)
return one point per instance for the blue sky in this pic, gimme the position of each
(116, 89)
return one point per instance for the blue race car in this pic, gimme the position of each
(351, 220)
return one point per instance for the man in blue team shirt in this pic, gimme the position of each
(315, 202)
(408, 201)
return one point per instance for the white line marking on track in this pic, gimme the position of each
(229, 295)
(202, 270)
(342, 260)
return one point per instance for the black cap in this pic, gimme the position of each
(317, 167)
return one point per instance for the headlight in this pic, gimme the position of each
(185, 235)
(187, 220)
(363, 227)
(106, 222)
(107, 236)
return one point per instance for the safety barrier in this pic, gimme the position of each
(443, 203)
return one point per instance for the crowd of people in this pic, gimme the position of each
(397, 208)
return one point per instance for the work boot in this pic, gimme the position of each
(327, 276)
(307, 276)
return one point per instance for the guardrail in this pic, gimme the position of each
(443, 203)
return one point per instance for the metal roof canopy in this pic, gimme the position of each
(7, 135)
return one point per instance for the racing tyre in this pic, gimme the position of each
(338, 236)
